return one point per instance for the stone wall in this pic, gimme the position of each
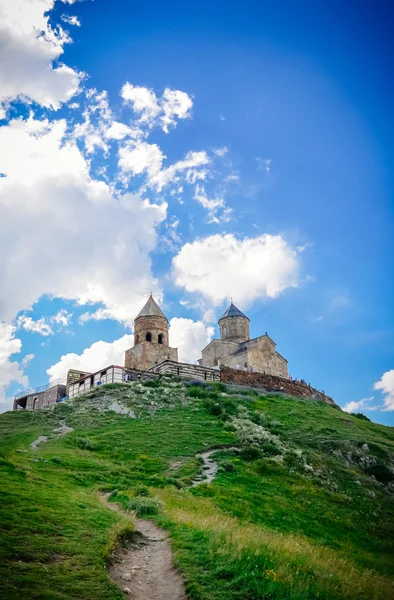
(148, 354)
(187, 371)
(263, 358)
(271, 383)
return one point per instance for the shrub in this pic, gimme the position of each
(268, 467)
(196, 391)
(228, 466)
(152, 383)
(213, 407)
(250, 453)
(218, 386)
(144, 506)
(141, 490)
(360, 416)
(86, 444)
(270, 449)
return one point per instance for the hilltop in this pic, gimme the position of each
(301, 505)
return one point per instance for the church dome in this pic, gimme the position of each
(234, 325)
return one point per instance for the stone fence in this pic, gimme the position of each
(186, 370)
(271, 383)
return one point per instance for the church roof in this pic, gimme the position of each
(233, 311)
(151, 309)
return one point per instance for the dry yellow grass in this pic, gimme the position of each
(296, 559)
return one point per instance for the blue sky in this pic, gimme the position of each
(252, 158)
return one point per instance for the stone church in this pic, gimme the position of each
(151, 343)
(235, 349)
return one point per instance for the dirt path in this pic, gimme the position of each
(146, 571)
(210, 467)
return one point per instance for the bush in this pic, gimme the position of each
(213, 407)
(218, 386)
(141, 490)
(86, 444)
(360, 416)
(228, 466)
(268, 467)
(196, 391)
(144, 506)
(270, 449)
(250, 453)
(152, 383)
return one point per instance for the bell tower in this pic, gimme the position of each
(234, 325)
(151, 340)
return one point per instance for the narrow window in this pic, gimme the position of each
(35, 403)
(177, 371)
(137, 339)
(92, 381)
(205, 375)
(160, 338)
(148, 337)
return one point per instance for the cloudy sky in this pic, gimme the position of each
(199, 151)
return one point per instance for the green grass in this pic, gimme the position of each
(295, 514)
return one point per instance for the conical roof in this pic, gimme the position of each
(233, 311)
(151, 309)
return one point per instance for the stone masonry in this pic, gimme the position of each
(235, 349)
(151, 343)
(271, 383)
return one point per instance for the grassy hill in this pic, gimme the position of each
(304, 509)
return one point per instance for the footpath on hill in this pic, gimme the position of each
(146, 571)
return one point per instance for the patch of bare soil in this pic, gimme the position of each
(145, 571)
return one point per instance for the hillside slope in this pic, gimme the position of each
(304, 509)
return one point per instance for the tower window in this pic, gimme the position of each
(148, 337)
(137, 339)
(161, 338)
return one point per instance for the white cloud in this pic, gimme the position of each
(190, 337)
(10, 370)
(221, 266)
(97, 356)
(71, 20)
(356, 406)
(26, 360)
(40, 326)
(263, 164)
(96, 244)
(28, 47)
(62, 318)
(153, 111)
(213, 206)
(190, 167)
(140, 157)
(386, 385)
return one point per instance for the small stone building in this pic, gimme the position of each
(235, 349)
(151, 343)
(36, 398)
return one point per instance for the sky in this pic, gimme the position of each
(201, 152)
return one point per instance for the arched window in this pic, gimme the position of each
(137, 339)
(161, 338)
(148, 337)
(35, 403)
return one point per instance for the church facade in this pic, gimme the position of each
(235, 349)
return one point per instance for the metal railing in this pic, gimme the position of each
(37, 390)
